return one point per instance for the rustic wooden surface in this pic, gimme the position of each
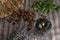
(6, 28)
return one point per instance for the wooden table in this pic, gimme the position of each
(6, 28)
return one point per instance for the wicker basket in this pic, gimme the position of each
(8, 6)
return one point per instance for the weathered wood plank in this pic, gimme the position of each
(6, 28)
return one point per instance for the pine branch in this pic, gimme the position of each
(45, 6)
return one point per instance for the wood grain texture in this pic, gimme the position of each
(6, 28)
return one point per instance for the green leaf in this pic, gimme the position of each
(45, 6)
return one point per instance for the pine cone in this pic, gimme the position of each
(22, 14)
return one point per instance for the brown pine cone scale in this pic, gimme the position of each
(22, 14)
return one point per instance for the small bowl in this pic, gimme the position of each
(42, 26)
